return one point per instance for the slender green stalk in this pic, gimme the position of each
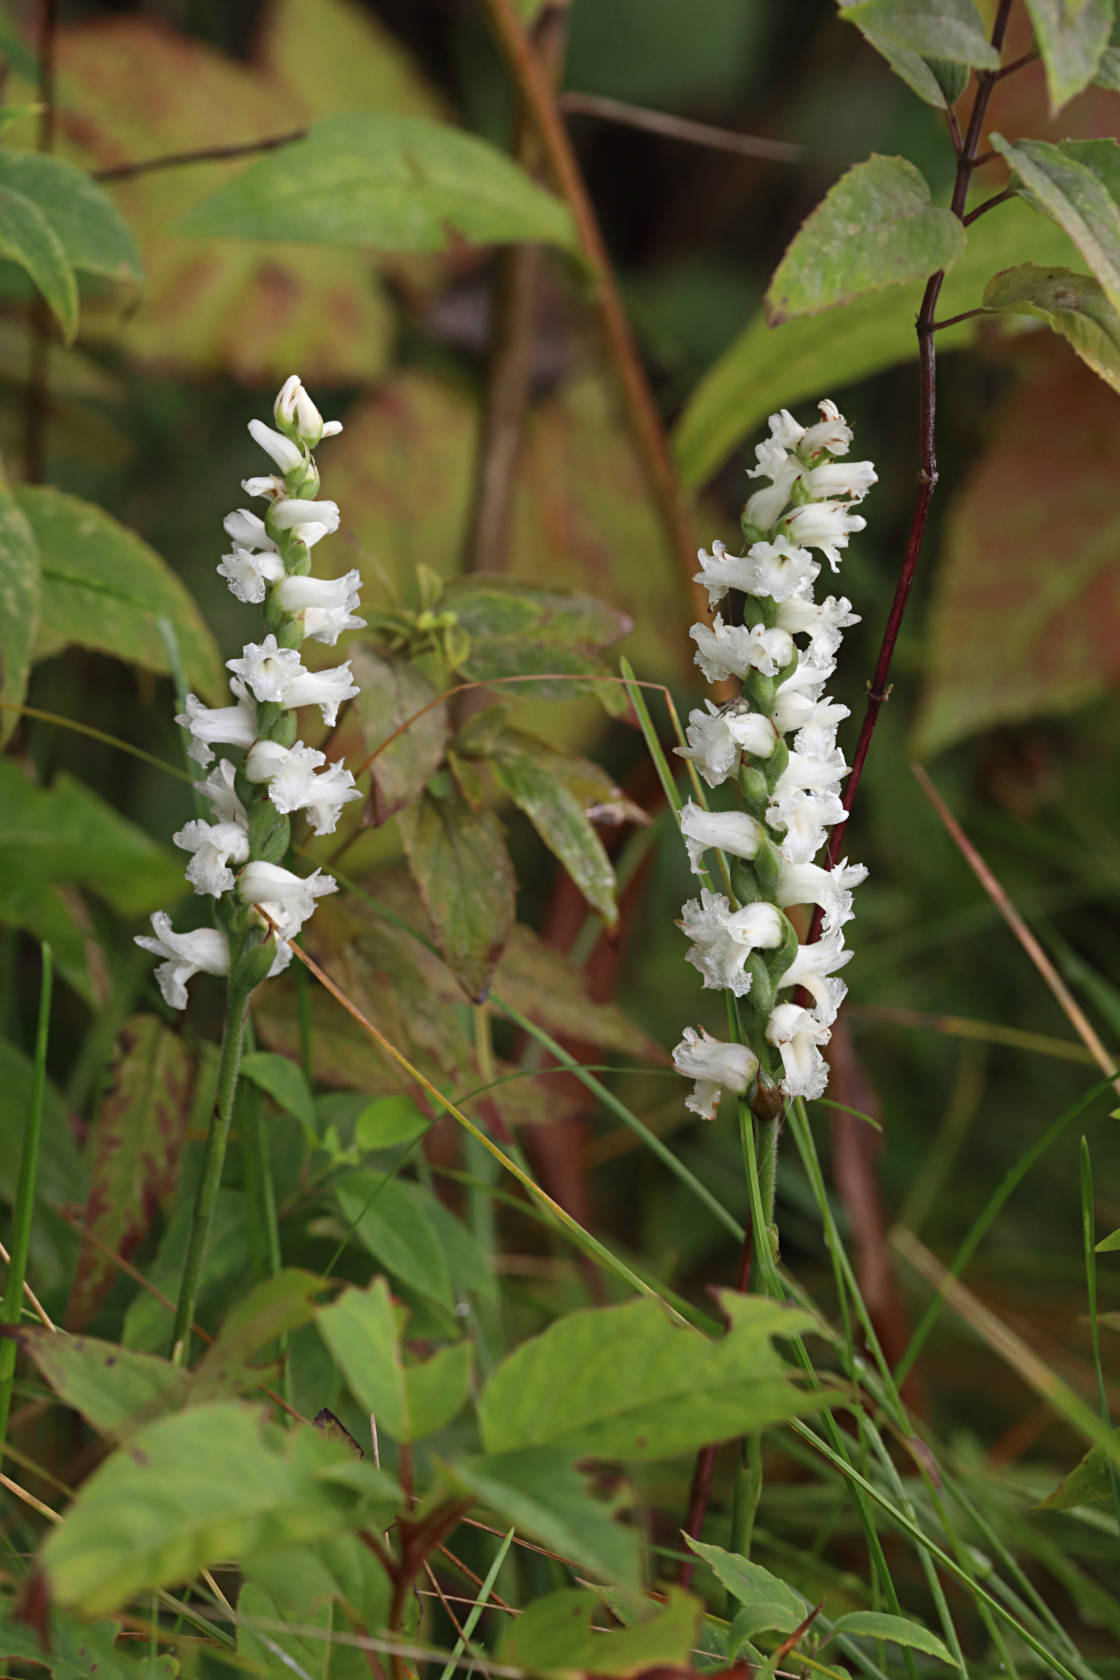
(478, 1606)
(25, 1194)
(1088, 1233)
(237, 1009)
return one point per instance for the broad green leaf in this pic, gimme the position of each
(1090, 1483)
(937, 81)
(323, 1586)
(148, 1321)
(1071, 304)
(1071, 43)
(394, 1230)
(388, 182)
(876, 228)
(133, 1149)
(555, 1635)
(1076, 184)
(541, 1493)
(459, 862)
(1023, 619)
(104, 588)
(43, 912)
(1109, 1244)
(27, 238)
(770, 367)
(19, 606)
(66, 835)
(949, 29)
(388, 1121)
(272, 1308)
(115, 1389)
(763, 1617)
(628, 1382)
(899, 1630)
(540, 783)
(284, 1081)
(78, 1651)
(1108, 71)
(750, 1584)
(518, 629)
(408, 1401)
(393, 691)
(208, 1485)
(93, 235)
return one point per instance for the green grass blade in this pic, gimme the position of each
(478, 1606)
(1089, 1239)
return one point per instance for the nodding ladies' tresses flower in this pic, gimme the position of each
(267, 565)
(781, 643)
(715, 1066)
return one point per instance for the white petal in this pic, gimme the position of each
(287, 455)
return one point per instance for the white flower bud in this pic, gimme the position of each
(715, 1066)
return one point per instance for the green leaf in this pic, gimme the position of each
(1109, 1244)
(769, 367)
(104, 588)
(541, 1493)
(936, 81)
(392, 692)
(948, 29)
(1076, 184)
(898, 1629)
(548, 786)
(272, 1308)
(750, 1584)
(875, 228)
(1071, 43)
(314, 1588)
(66, 835)
(137, 1134)
(388, 1121)
(1108, 71)
(19, 606)
(27, 238)
(519, 629)
(1089, 1484)
(1073, 305)
(114, 1389)
(408, 1401)
(204, 1486)
(93, 235)
(555, 1635)
(77, 1650)
(629, 1382)
(458, 859)
(391, 1226)
(284, 1081)
(390, 182)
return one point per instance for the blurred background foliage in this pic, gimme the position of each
(1004, 680)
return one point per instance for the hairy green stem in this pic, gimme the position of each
(25, 1195)
(237, 1009)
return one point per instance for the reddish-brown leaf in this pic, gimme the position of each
(134, 1145)
(1026, 611)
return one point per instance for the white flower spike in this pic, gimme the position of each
(267, 566)
(778, 741)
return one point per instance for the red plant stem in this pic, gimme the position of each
(878, 688)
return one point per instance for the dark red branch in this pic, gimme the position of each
(204, 154)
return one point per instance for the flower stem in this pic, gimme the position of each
(237, 1009)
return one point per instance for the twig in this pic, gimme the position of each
(36, 1305)
(515, 293)
(927, 471)
(680, 128)
(989, 204)
(953, 320)
(36, 396)
(203, 154)
(641, 410)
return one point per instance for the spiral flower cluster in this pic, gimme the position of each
(237, 857)
(777, 739)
